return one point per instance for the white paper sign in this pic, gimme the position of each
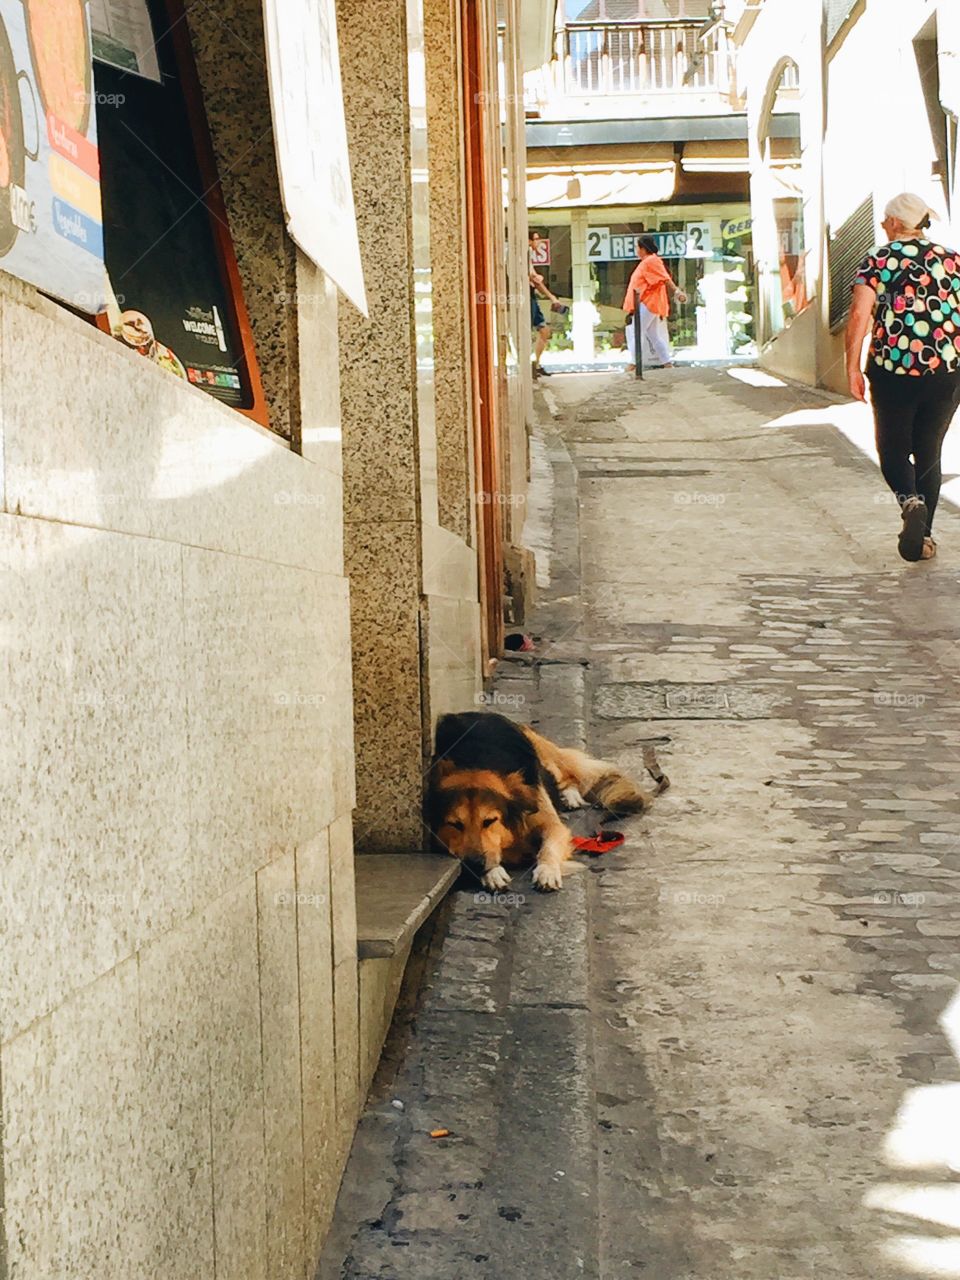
(598, 244)
(123, 36)
(699, 240)
(311, 138)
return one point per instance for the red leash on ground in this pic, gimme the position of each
(602, 842)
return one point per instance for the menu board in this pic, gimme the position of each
(310, 134)
(51, 226)
(163, 238)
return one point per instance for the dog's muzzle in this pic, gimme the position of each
(475, 863)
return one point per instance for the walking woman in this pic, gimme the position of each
(653, 282)
(908, 291)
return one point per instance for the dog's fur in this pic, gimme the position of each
(495, 788)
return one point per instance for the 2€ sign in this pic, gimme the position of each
(694, 241)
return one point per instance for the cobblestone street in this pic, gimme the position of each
(729, 1049)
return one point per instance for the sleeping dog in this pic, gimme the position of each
(494, 790)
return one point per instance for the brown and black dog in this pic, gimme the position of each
(495, 788)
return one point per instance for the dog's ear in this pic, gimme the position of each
(442, 769)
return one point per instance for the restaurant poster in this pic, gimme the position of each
(51, 225)
(173, 302)
(311, 138)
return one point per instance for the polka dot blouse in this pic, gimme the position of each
(916, 326)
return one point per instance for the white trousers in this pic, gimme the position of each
(654, 338)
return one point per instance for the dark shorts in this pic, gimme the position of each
(537, 318)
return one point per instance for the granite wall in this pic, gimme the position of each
(413, 580)
(179, 1054)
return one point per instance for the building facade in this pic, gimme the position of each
(242, 577)
(633, 128)
(870, 118)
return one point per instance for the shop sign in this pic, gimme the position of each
(51, 225)
(540, 254)
(736, 228)
(694, 241)
(310, 134)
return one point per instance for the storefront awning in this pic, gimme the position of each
(578, 188)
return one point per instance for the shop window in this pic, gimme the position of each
(167, 244)
(782, 251)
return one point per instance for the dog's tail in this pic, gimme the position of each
(619, 794)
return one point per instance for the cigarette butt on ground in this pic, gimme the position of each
(439, 1133)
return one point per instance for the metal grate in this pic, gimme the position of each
(852, 242)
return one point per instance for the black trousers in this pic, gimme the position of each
(911, 417)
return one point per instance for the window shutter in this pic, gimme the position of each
(851, 244)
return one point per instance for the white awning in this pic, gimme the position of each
(583, 187)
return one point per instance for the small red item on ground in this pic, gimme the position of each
(602, 842)
(439, 1133)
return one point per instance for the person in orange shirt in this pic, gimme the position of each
(656, 287)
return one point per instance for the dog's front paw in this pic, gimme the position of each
(572, 799)
(547, 877)
(496, 878)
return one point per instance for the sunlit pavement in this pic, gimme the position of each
(731, 1049)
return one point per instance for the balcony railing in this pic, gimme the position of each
(638, 59)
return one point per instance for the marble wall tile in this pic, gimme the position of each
(321, 1170)
(235, 1066)
(380, 982)
(452, 641)
(72, 1119)
(321, 435)
(269, 710)
(282, 1103)
(176, 1106)
(346, 1012)
(449, 565)
(125, 446)
(343, 891)
(93, 767)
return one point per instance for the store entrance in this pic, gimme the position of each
(590, 255)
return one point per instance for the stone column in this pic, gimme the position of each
(380, 431)
(405, 407)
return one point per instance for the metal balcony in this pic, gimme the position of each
(640, 58)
